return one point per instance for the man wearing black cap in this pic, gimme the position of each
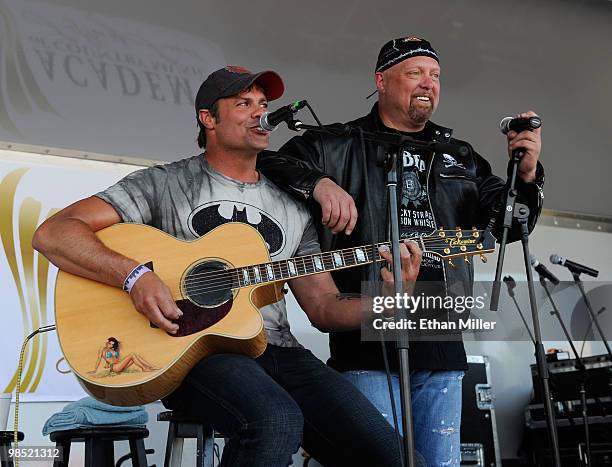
(269, 406)
(436, 191)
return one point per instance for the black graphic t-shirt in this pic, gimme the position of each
(416, 217)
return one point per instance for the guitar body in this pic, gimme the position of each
(148, 363)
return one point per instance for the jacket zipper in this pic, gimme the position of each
(461, 177)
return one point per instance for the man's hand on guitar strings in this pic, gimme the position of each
(410, 257)
(152, 298)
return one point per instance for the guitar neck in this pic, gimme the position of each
(307, 265)
(447, 244)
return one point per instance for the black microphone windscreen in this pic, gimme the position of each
(504, 124)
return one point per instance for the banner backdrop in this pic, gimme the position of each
(32, 188)
(74, 79)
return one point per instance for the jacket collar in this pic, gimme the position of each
(438, 133)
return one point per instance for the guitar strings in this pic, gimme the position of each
(323, 256)
(230, 279)
(433, 242)
(235, 277)
(232, 276)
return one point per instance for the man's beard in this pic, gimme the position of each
(418, 114)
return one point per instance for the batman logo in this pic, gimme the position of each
(208, 216)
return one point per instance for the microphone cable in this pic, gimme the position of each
(314, 115)
(49, 327)
(600, 311)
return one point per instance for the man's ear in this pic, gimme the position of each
(206, 119)
(380, 81)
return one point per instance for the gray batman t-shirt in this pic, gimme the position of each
(188, 198)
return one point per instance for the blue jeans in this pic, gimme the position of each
(271, 405)
(436, 409)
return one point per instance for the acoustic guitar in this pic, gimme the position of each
(219, 281)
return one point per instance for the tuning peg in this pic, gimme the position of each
(467, 259)
(475, 232)
(483, 258)
(459, 234)
(450, 262)
(441, 232)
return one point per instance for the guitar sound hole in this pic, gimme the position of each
(209, 284)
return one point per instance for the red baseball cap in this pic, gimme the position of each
(230, 80)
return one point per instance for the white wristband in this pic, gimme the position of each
(133, 276)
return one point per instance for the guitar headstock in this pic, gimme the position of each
(460, 243)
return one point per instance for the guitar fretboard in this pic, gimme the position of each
(444, 243)
(304, 265)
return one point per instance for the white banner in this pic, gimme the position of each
(80, 80)
(32, 188)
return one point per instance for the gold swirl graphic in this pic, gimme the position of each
(28, 220)
(32, 288)
(43, 274)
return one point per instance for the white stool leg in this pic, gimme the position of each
(177, 452)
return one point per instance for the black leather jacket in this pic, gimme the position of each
(458, 196)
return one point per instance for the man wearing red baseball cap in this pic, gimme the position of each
(267, 407)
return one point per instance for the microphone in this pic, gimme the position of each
(270, 120)
(542, 270)
(519, 124)
(511, 284)
(573, 267)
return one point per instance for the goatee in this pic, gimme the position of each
(419, 115)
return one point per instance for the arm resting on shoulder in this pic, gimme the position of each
(297, 166)
(299, 169)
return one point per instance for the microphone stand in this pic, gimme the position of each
(580, 285)
(520, 212)
(402, 342)
(392, 143)
(579, 365)
(509, 283)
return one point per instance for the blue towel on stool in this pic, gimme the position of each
(88, 412)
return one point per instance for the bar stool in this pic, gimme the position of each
(182, 426)
(6, 442)
(99, 444)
